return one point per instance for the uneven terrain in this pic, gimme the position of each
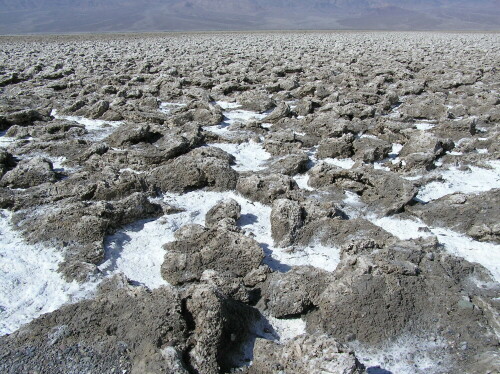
(250, 202)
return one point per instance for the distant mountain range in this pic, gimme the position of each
(68, 16)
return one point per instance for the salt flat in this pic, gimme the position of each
(312, 200)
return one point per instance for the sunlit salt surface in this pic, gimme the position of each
(368, 136)
(352, 205)
(470, 181)
(5, 141)
(167, 108)
(380, 166)
(232, 115)
(31, 285)
(269, 328)
(250, 156)
(225, 105)
(98, 129)
(220, 129)
(344, 163)
(396, 149)
(302, 181)
(287, 329)
(57, 163)
(136, 250)
(317, 255)
(130, 170)
(424, 126)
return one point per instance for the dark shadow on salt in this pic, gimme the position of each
(377, 370)
(113, 249)
(136, 284)
(271, 262)
(417, 200)
(247, 219)
(242, 352)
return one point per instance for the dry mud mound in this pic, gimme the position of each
(289, 203)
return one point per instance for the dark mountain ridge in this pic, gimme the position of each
(59, 16)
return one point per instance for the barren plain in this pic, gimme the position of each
(289, 202)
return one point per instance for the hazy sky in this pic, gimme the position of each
(66, 16)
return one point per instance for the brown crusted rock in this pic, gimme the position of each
(419, 160)
(292, 164)
(220, 326)
(94, 149)
(228, 285)
(225, 209)
(209, 249)
(295, 292)
(423, 142)
(24, 117)
(103, 335)
(7, 162)
(280, 112)
(53, 130)
(357, 110)
(166, 360)
(304, 107)
(115, 187)
(288, 84)
(407, 288)
(386, 191)
(336, 147)
(369, 149)
(266, 188)
(256, 276)
(203, 152)
(192, 171)
(389, 290)
(204, 113)
(151, 150)
(256, 101)
(282, 143)
(431, 108)
(322, 208)
(336, 231)
(132, 134)
(77, 105)
(286, 220)
(197, 111)
(457, 129)
(98, 109)
(29, 173)
(132, 208)
(7, 79)
(111, 115)
(476, 215)
(326, 125)
(304, 354)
